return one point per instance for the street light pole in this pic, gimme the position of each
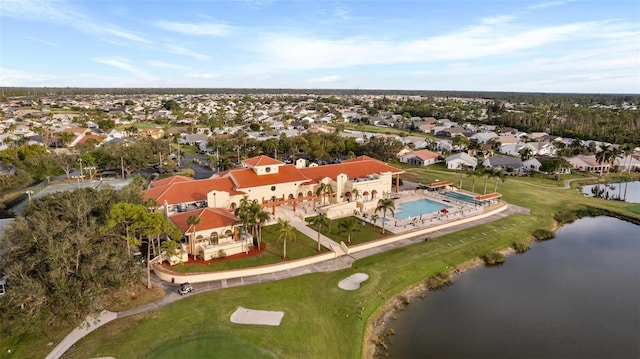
(81, 170)
(29, 193)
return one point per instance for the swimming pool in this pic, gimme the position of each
(418, 207)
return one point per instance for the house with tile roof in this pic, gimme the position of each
(420, 158)
(461, 160)
(356, 184)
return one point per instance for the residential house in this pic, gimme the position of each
(420, 158)
(514, 149)
(461, 160)
(507, 164)
(587, 163)
(483, 137)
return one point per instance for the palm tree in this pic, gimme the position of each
(384, 205)
(525, 153)
(192, 222)
(473, 173)
(286, 231)
(349, 225)
(324, 189)
(320, 221)
(498, 174)
(355, 193)
(486, 172)
(261, 218)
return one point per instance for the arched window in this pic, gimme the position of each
(199, 238)
(214, 238)
(291, 196)
(228, 233)
(300, 195)
(373, 194)
(309, 194)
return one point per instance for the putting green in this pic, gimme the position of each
(208, 346)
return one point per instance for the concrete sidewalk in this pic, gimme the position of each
(341, 262)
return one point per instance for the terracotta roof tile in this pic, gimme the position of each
(246, 177)
(210, 218)
(189, 191)
(356, 168)
(261, 161)
(170, 180)
(488, 196)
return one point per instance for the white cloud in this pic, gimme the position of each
(332, 78)
(284, 51)
(501, 19)
(199, 29)
(10, 77)
(119, 63)
(181, 50)
(44, 42)
(205, 75)
(166, 65)
(546, 4)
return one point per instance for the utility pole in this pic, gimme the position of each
(122, 166)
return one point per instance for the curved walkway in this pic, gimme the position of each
(338, 263)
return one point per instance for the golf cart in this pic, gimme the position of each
(185, 288)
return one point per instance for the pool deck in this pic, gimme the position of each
(457, 210)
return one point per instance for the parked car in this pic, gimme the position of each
(185, 288)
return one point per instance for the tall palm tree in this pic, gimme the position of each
(262, 217)
(192, 222)
(324, 189)
(499, 175)
(286, 231)
(349, 225)
(486, 172)
(473, 173)
(355, 193)
(385, 205)
(320, 221)
(525, 153)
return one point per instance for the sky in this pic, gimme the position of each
(577, 46)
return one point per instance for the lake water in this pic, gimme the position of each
(615, 190)
(575, 296)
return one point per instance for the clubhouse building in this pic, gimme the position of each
(337, 190)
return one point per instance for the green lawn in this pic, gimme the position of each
(363, 233)
(321, 320)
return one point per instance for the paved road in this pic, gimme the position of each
(331, 265)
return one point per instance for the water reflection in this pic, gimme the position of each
(625, 191)
(572, 297)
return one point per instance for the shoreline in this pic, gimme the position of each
(377, 325)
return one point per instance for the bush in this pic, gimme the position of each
(221, 254)
(439, 280)
(521, 247)
(493, 258)
(543, 234)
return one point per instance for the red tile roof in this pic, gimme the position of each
(356, 168)
(97, 138)
(439, 184)
(488, 196)
(261, 161)
(246, 177)
(189, 191)
(210, 218)
(170, 180)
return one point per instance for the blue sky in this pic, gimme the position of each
(510, 45)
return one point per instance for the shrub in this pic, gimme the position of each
(543, 234)
(221, 254)
(521, 247)
(493, 258)
(438, 280)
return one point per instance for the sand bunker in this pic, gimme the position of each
(257, 317)
(352, 282)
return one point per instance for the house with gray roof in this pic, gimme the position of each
(508, 164)
(461, 160)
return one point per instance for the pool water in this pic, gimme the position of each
(418, 207)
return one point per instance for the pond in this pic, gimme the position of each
(615, 191)
(576, 296)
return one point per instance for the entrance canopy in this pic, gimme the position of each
(437, 185)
